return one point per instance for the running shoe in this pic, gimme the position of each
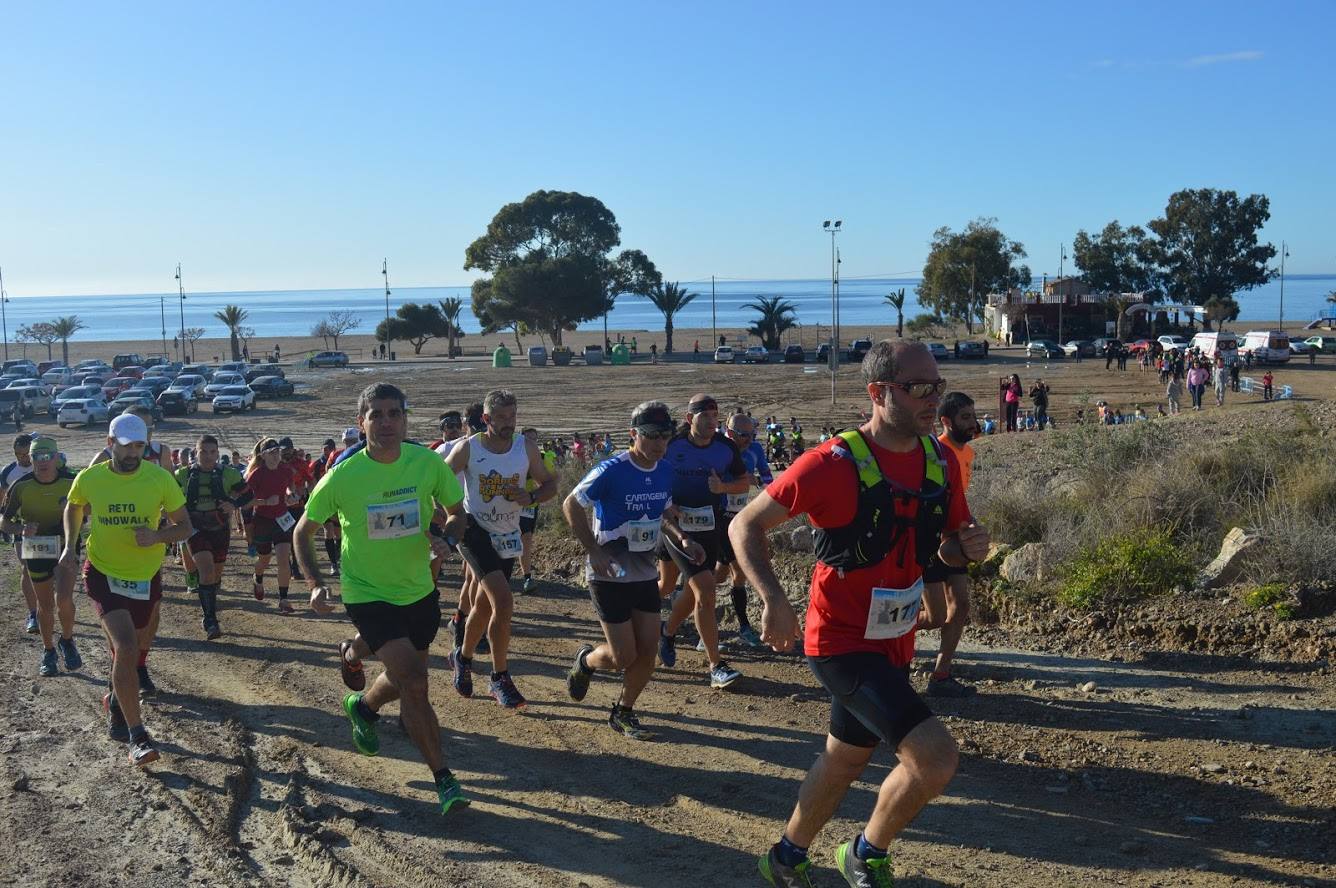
(463, 674)
(296, 571)
(146, 686)
(748, 636)
(192, 583)
(949, 687)
(577, 680)
(258, 591)
(250, 550)
(529, 584)
(31, 626)
(334, 570)
(505, 692)
(723, 675)
(365, 740)
(285, 607)
(782, 876)
(873, 873)
(142, 751)
(117, 729)
(667, 650)
(351, 672)
(48, 667)
(623, 720)
(450, 794)
(69, 653)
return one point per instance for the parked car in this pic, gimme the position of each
(92, 365)
(1104, 342)
(1173, 342)
(19, 365)
(91, 377)
(1139, 346)
(724, 355)
(58, 376)
(38, 398)
(1043, 348)
(130, 399)
(203, 370)
(271, 387)
(1299, 347)
(45, 366)
(329, 359)
(24, 382)
(234, 399)
(794, 354)
(126, 360)
(1266, 346)
(154, 361)
(157, 384)
(972, 349)
(77, 393)
(1323, 344)
(234, 367)
(13, 403)
(1083, 348)
(255, 373)
(756, 354)
(113, 387)
(939, 350)
(823, 353)
(82, 412)
(7, 378)
(859, 348)
(134, 370)
(177, 403)
(222, 380)
(189, 382)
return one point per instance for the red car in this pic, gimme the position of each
(136, 372)
(1139, 346)
(112, 388)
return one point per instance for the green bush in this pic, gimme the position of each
(1270, 596)
(1125, 568)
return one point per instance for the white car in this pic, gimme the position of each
(189, 382)
(25, 382)
(1172, 343)
(221, 380)
(724, 355)
(76, 393)
(82, 412)
(234, 399)
(38, 398)
(58, 376)
(939, 351)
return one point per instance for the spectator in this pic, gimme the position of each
(1174, 391)
(1267, 380)
(1197, 377)
(1039, 395)
(989, 424)
(1220, 378)
(654, 353)
(1011, 395)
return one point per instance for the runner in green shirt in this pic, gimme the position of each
(384, 498)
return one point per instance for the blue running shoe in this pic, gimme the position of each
(667, 650)
(70, 654)
(463, 674)
(48, 667)
(505, 692)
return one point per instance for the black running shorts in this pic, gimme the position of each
(709, 541)
(380, 622)
(938, 571)
(476, 548)
(871, 699)
(527, 524)
(614, 602)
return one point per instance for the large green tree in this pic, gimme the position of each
(1117, 262)
(1206, 247)
(550, 264)
(415, 323)
(233, 316)
(775, 316)
(963, 267)
(669, 299)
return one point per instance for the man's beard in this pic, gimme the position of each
(128, 464)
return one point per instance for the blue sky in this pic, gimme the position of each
(281, 146)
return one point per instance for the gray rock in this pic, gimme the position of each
(801, 539)
(1213, 768)
(1236, 550)
(1026, 564)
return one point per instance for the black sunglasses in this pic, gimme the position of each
(919, 390)
(654, 434)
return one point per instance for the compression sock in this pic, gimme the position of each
(788, 853)
(739, 595)
(282, 593)
(865, 850)
(366, 711)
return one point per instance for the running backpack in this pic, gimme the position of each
(876, 528)
(215, 488)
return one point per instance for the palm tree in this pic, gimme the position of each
(451, 309)
(64, 328)
(669, 299)
(233, 316)
(896, 301)
(776, 317)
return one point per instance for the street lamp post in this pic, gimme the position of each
(385, 272)
(834, 229)
(1284, 253)
(1062, 297)
(181, 292)
(4, 322)
(162, 315)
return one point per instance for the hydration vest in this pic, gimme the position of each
(876, 528)
(215, 488)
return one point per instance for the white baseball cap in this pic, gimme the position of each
(351, 434)
(128, 429)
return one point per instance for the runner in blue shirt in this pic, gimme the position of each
(706, 468)
(631, 495)
(742, 432)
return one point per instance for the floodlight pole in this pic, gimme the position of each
(834, 305)
(181, 292)
(385, 272)
(1283, 253)
(1062, 297)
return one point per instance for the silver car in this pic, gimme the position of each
(81, 412)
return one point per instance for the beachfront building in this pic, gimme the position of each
(1065, 303)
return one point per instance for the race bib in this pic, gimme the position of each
(893, 612)
(696, 519)
(391, 521)
(529, 512)
(285, 521)
(642, 535)
(40, 547)
(736, 502)
(507, 545)
(136, 589)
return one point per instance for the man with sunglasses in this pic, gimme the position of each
(742, 432)
(631, 495)
(882, 501)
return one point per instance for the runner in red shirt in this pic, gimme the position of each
(274, 486)
(859, 636)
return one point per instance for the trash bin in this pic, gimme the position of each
(593, 355)
(561, 357)
(501, 357)
(621, 355)
(537, 356)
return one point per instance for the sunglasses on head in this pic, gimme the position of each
(919, 390)
(652, 434)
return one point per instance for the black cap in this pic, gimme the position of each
(653, 418)
(285, 443)
(701, 403)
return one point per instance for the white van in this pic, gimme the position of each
(1266, 346)
(1211, 344)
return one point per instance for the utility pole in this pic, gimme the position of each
(1283, 254)
(162, 316)
(834, 305)
(1062, 297)
(385, 272)
(181, 292)
(714, 317)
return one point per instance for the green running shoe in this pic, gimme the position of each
(782, 876)
(364, 732)
(450, 794)
(874, 873)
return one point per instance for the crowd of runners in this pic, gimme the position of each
(684, 507)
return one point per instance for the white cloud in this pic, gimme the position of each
(1247, 55)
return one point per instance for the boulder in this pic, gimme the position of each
(1026, 564)
(1229, 564)
(801, 539)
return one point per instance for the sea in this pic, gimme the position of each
(293, 312)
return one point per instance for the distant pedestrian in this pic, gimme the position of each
(1011, 395)
(1220, 378)
(1267, 380)
(1197, 377)
(654, 353)
(1174, 392)
(1039, 396)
